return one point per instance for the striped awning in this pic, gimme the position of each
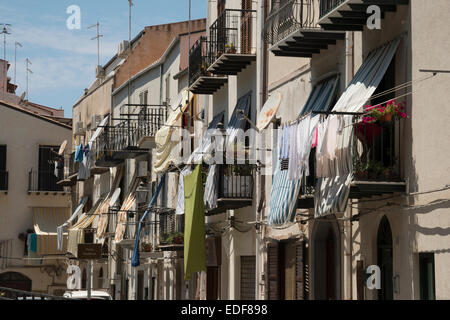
(283, 197)
(126, 206)
(322, 96)
(163, 155)
(46, 221)
(76, 232)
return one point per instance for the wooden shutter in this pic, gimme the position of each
(246, 27)
(220, 7)
(360, 279)
(248, 277)
(2, 158)
(299, 271)
(140, 286)
(273, 271)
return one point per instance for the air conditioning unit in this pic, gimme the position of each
(79, 128)
(96, 119)
(123, 48)
(100, 72)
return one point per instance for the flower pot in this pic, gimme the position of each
(387, 117)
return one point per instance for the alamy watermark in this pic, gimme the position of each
(73, 22)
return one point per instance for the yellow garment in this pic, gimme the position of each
(194, 232)
(163, 156)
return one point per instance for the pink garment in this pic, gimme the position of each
(315, 138)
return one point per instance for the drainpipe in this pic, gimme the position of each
(348, 213)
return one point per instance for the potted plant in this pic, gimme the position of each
(146, 247)
(178, 238)
(230, 48)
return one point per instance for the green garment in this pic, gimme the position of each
(194, 231)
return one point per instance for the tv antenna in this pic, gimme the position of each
(6, 30)
(98, 40)
(28, 62)
(15, 60)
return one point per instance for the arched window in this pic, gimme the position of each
(384, 259)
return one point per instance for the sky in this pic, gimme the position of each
(64, 60)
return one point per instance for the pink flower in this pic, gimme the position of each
(403, 115)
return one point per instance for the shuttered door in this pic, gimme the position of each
(246, 27)
(299, 271)
(273, 271)
(248, 277)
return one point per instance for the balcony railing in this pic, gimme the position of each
(150, 120)
(232, 34)
(198, 60)
(44, 181)
(290, 17)
(4, 180)
(376, 161)
(202, 81)
(326, 6)
(171, 230)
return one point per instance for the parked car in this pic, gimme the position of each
(83, 295)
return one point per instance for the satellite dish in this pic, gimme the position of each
(176, 112)
(269, 110)
(115, 197)
(62, 148)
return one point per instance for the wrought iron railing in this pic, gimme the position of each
(44, 181)
(232, 33)
(326, 6)
(290, 17)
(150, 120)
(236, 181)
(171, 228)
(4, 180)
(376, 155)
(199, 60)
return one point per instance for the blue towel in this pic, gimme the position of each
(33, 242)
(79, 153)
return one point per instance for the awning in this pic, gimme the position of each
(62, 228)
(322, 96)
(163, 156)
(104, 208)
(283, 197)
(237, 124)
(126, 206)
(46, 221)
(76, 232)
(331, 195)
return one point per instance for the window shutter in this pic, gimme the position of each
(248, 277)
(273, 266)
(299, 271)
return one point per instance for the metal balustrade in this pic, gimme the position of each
(290, 17)
(44, 181)
(326, 6)
(198, 60)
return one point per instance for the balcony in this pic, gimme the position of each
(376, 163)
(232, 42)
(201, 81)
(292, 30)
(351, 15)
(4, 181)
(44, 182)
(149, 120)
(235, 188)
(171, 231)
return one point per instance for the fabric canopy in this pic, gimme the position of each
(322, 95)
(163, 155)
(332, 189)
(76, 232)
(194, 234)
(236, 124)
(104, 208)
(62, 228)
(283, 197)
(46, 221)
(129, 202)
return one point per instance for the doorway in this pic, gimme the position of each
(326, 261)
(385, 260)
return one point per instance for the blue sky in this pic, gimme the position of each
(63, 60)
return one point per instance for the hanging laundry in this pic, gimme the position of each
(79, 153)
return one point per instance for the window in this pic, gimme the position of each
(248, 277)
(427, 280)
(46, 173)
(220, 7)
(3, 173)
